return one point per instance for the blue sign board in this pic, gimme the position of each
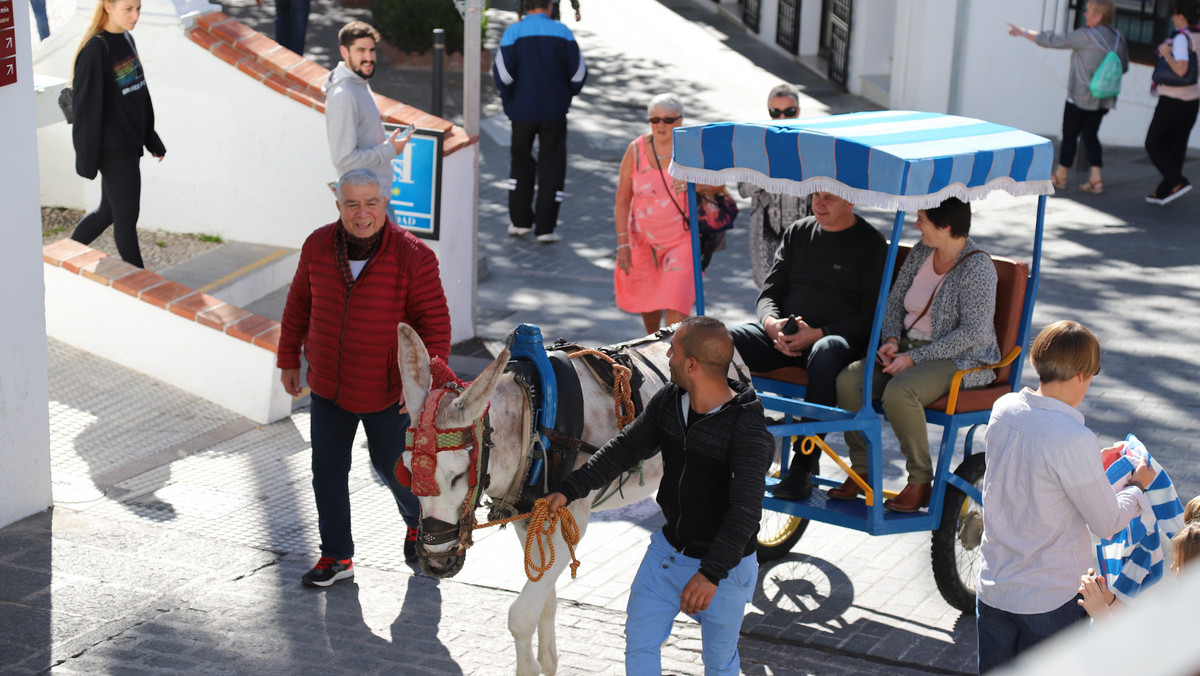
(416, 193)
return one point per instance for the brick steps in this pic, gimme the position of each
(161, 292)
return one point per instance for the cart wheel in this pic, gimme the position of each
(955, 550)
(778, 532)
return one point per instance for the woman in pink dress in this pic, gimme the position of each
(654, 247)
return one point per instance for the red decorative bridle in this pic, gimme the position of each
(426, 440)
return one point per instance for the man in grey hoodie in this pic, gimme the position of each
(357, 139)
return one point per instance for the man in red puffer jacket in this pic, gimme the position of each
(358, 277)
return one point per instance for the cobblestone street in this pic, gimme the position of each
(180, 530)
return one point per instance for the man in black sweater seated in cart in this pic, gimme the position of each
(826, 276)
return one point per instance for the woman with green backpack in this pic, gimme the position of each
(1099, 57)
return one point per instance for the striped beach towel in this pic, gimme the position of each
(1132, 560)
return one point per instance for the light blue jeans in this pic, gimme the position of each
(654, 603)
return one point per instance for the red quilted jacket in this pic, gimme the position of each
(349, 335)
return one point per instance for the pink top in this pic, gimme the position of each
(924, 286)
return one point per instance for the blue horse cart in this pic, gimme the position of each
(902, 161)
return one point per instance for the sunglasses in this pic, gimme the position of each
(786, 112)
(665, 120)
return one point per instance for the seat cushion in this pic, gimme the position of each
(979, 399)
(788, 374)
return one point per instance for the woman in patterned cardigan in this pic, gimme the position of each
(938, 320)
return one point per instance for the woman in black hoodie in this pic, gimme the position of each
(114, 120)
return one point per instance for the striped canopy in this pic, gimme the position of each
(892, 159)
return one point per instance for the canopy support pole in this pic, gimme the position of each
(697, 268)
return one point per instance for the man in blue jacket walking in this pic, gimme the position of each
(538, 70)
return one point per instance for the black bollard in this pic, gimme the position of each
(439, 53)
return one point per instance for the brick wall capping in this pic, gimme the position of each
(153, 289)
(299, 79)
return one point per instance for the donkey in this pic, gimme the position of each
(452, 479)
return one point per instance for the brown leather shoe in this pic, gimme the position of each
(911, 499)
(848, 490)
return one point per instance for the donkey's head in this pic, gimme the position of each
(441, 460)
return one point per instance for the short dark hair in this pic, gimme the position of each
(953, 213)
(355, 30)
(708, 342)
(536, 4)
(1190, 9)
(1064, 350)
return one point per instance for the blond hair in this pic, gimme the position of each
(95, 26)
(1185, 546)
(1107, 9)
(1064, 350)
(1191, 513)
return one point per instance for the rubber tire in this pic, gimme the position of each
(778, 532)
(785, 532)
(947, 547)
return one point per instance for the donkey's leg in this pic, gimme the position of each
(547, 652)
(525, 611)
(547, 636)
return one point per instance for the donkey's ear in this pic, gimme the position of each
(413, 360)
(470, 405)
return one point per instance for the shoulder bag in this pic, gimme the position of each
(1163, 75)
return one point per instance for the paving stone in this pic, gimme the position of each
(205, 553)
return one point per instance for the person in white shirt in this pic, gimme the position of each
(1045, 487)
(357, 139)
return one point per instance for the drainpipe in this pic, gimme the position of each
(954, 100)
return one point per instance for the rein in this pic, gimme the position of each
(541, 533)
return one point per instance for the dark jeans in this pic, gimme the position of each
(1002, 635)
(1077, 123)
(823, 361)
(549, 170)
(39, 14)
(1167, 139)
(333, 429)
(120, 205)
(291, 23)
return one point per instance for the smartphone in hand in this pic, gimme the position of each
(790, 326)
(406, 132)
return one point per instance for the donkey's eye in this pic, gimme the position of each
(458, 477)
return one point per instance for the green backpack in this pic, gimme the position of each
(1106, 81)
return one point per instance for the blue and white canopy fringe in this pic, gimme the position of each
(892, 159)
(1132, 560)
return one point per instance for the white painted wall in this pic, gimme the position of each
(24, 413)
(457, 252)
(148, 339)
(923, 48)
(1004, 79)
(243, 162)
(872, 33)
(810, 27)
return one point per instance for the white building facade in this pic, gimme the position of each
(955, 56)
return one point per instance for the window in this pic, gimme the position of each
(1144, 23)
(750, 12)
(787, 26)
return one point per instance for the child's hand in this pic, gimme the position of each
(1111, 454)
(1143, 474)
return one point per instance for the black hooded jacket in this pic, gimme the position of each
(713, 475)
